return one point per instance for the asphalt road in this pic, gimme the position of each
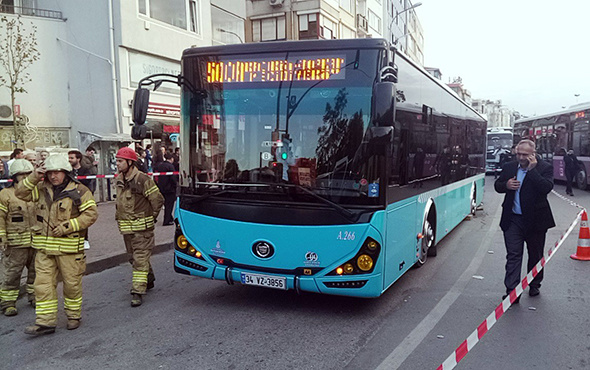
(193, 323)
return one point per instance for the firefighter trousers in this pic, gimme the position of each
(15, 260)
(71, 266)
(139, 247)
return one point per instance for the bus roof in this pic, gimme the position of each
(312, 45)
(572, 109)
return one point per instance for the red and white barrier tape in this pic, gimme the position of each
(112, 176)
(571, 202)
(485, 326)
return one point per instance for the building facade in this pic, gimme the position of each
(498, 115)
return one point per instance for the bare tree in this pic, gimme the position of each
(18, 51)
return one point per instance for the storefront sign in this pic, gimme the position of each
(165, 110)
(142, 65)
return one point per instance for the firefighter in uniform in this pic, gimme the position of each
(16, 219)
(138, 203)
(65, 209)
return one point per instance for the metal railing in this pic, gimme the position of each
(43, 13)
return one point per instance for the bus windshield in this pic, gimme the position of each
(497, 141)
(272, 121)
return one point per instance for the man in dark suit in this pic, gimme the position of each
(526, 214)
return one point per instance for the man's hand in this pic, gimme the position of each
(532, 162)
(513, 184)
(61, 230)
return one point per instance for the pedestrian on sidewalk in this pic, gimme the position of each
(167, 185)
(572, 167)
(138, 204)
(75, 158)
(65, 211)
(17, 218)
(526, 214)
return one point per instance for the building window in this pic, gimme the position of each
(374, 21)
(328, 28)
(346, 5)
(269, 29)
(227, 28)
(178, 13)
(194, 14)
(308, 26)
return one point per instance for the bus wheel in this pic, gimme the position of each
(581, 178)
(427, 244)
(473, 200)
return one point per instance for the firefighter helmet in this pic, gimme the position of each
(127, 153)
(57, 162)
(20, 166)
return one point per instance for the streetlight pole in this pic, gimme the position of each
(231, 33)
(397, 14)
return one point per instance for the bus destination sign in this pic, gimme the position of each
(240, 71)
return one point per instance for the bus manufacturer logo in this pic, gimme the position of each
(311, 256)
(263, 250)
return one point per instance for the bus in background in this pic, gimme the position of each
(556, 133)
(328, 166)
(499, 144)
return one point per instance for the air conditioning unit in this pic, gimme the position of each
(5, 113)
(276, 2)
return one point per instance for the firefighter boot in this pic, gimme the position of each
(10, 311)
(73, 324)
(135, 300)
(39, 330)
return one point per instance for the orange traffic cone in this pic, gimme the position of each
(583, 252)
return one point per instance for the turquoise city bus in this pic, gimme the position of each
(327, 166)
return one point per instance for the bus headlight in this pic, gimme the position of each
(364, 262)
(181, 242)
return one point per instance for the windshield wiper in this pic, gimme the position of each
(348, 214)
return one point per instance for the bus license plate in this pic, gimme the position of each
(267, 281)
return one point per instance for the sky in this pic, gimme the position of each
(534, 55)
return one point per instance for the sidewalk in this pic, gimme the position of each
(106, 243)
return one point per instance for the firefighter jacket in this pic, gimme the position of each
(138, 202)
(62, 221)
(17, 217)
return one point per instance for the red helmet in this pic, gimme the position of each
(127, 153)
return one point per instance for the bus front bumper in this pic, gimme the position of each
(366, 285)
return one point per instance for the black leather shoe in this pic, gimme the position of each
(534, 291)
(515, 302)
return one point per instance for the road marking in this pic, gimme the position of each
(397, 357)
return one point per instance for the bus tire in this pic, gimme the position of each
(427, 247)
(582, 178)
(473, 205)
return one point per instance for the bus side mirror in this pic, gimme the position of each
(141, 100)
(383, 103)
(138, 132)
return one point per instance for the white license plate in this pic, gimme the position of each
(267, 281)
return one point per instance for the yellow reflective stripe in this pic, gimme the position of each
(151, 190)
(73, 304)
(140, 276)
(30, 289)
(46, 307)
(9, 295)
(28, 184)
(139, 224)
(84, 206)
(51, 243)
(3, 208)
(75, 224)
(35, 194)
(2, 232)
(25, 237)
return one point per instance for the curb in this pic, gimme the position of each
(112, 261)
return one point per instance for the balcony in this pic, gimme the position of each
(33, 12)
(362, 25)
